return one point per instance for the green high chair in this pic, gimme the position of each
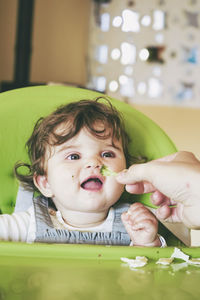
(21, 108)
(43, 271)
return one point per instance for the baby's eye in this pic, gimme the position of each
(108, 154)
(73, 156)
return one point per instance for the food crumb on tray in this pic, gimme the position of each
(139, 261)
(165, 261)
(179, 254)
(194, 261)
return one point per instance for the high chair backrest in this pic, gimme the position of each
(21, 108)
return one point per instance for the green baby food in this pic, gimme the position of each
(105, 171)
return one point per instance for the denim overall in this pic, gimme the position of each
(46, 233)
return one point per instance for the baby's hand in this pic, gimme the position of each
(141, 225)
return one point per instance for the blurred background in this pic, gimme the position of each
(143, 52)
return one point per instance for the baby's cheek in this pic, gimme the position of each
(119, 191)
(114, 186)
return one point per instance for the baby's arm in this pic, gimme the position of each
(141, 225)
(14, 227)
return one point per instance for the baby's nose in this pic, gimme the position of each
(93, 163)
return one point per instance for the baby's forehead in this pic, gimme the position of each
(98, 125)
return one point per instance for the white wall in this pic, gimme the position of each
(181, 124)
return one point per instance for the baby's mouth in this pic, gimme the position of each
(92, 184)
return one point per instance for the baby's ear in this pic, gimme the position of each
(42, 184)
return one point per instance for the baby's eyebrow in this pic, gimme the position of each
(65, 147)
(114, 146)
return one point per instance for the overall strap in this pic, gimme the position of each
(118, 224)
(43, 219)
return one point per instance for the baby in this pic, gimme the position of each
(76, 203)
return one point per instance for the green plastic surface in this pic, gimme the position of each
(19, 110)
(83, 272)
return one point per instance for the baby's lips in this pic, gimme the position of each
(93, 183)
(94, 176)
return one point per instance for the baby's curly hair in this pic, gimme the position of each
(76, 115)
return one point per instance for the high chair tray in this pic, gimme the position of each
(42, 271)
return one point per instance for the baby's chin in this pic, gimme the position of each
(93, 204)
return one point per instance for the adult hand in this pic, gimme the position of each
(174, 179)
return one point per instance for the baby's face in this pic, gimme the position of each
(73, 176)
